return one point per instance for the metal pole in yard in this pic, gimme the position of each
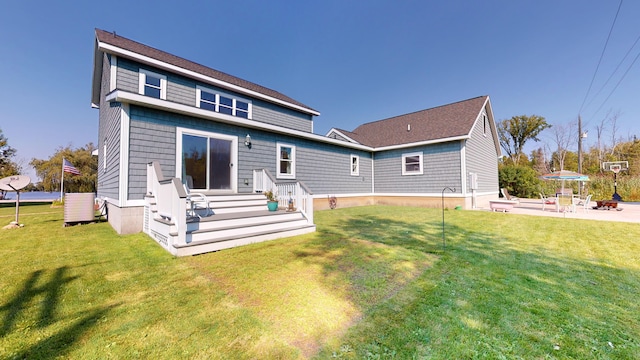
(444, 244)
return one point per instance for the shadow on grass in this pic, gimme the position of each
(28, 291)
(491, 295)
(50, 292)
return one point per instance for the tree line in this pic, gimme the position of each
(520, 173)
(50, 170)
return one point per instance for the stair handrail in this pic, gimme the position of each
(171, 199)
(263, 181)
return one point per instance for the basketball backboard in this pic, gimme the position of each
(615, 166)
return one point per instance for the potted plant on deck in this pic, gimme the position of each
(272, 202)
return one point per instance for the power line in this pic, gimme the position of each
(614, 71)
(619, 81)
(601, 56)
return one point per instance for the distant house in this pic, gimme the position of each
(166, 122)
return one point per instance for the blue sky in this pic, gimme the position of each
(354, 61)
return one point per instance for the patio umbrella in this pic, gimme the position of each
(565, 175)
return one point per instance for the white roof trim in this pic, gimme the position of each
(163, 65)
(334, 130)
(422, 143)
(137, 99)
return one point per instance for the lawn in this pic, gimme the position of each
(372, 282)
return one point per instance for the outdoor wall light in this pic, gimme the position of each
(247, 141)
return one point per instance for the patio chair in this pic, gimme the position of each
(565, 202)
(506, 195)
(547, 200)
(584, 203)
(195, 201)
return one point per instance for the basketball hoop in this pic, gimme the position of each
(615, 167)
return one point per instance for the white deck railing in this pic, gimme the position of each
(285, 191)
(171, 203)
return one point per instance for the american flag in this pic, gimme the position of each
(67, 167)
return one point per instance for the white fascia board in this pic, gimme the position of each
(338, 196)
(137, 99)
(421, 143)
(192, 74)
(97, 77)
(123, 175)
(438, 195)
(133, 203)
(334, 130)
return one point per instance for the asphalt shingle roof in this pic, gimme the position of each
(446, 121)
(113, 39)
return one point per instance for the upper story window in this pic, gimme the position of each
(222, 103)
(485, 123)
(355, 165)
(153, 84)
(412, 164)
(286, 166)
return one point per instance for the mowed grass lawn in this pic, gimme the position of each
(371, 283)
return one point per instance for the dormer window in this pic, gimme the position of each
(225, 104)
(153, 84)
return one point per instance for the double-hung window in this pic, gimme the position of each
(355, 165)
(225, 104)
(286, 163)
(153, 84)
(412, 164)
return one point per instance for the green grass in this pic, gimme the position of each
(372, 282)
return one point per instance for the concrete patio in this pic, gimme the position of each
(629, 211)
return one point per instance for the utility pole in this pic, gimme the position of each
(580, 153)
(581, 136)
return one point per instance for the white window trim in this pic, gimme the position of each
(485, 124)
(404, 164)
(234, 154)
(357, 161)
(104, 155)
(143, 82)
(280, 175)
(217, 93)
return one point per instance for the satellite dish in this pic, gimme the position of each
(14, 182)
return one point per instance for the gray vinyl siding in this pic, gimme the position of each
(109, 130)
(128, 76)
(272, 114)
(324, 168)
(182, 90)
(482, 158)
(441, 168)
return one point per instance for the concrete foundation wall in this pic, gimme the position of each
(419, 201)
(127, 220)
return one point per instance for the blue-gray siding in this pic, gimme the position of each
(441, 168)
(325, 168)
(109, 131)
(182, 90)
(481, 156)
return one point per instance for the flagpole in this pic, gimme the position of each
(62, 181)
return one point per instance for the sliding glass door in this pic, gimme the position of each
(208, 161)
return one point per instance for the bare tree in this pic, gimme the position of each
(563, 137)
(600, 133)
(613, 120)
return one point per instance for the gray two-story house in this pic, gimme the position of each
(170, 129)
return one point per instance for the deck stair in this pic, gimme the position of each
(238, 219)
